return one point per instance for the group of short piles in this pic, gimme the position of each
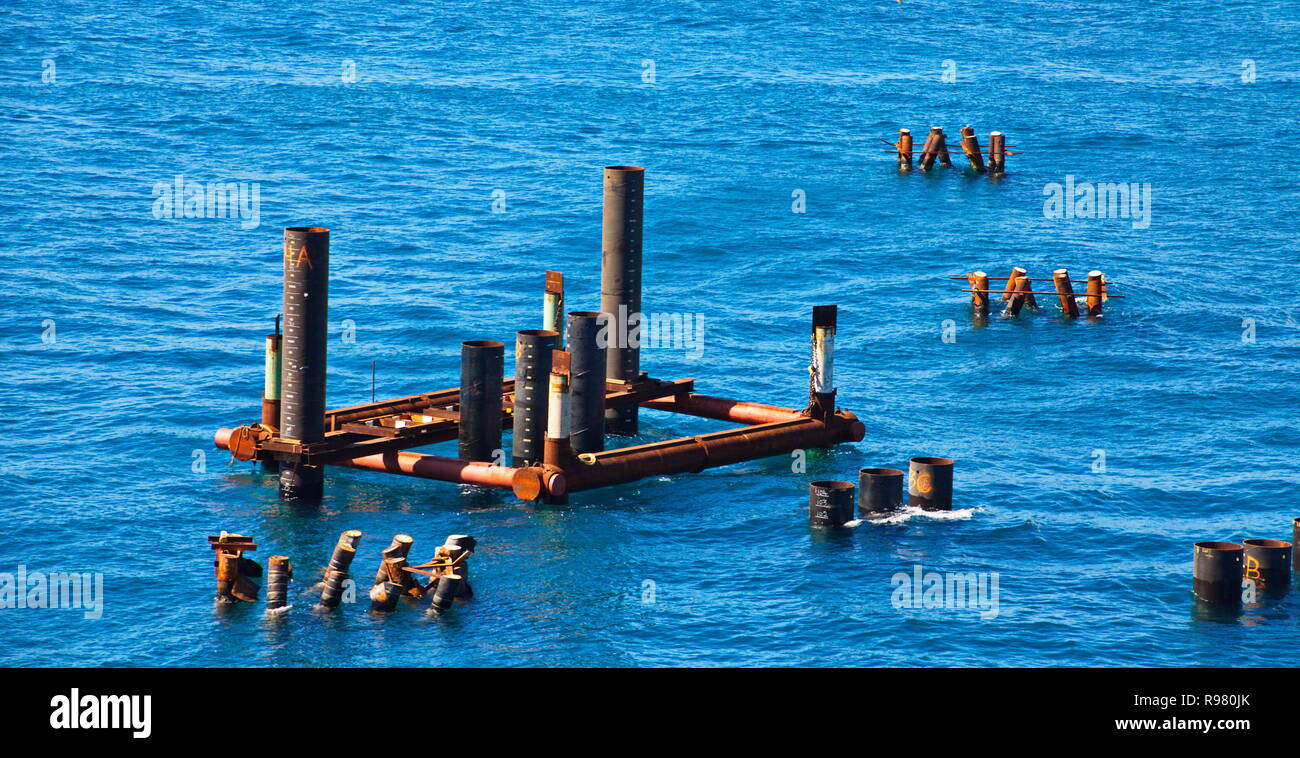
(1019, 293)
(1228, 573)
(446, 574)
(880, 492)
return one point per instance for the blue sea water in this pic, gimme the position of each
(127, 339)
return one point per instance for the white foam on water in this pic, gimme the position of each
(910, 512)
(278, 611)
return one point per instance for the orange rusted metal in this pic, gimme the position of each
(694, 454)
(723, 409)
(1066, 292)
(1096, 290)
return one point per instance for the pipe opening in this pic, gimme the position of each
(482, 343)
(624, 168)
(537, 333)
(880, 471)
(1225, 546)
(308, 229)
(833, 485)
(932, 461)
(1267, 543)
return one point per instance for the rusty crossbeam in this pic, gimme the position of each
(694, 454)
(771, 430)
(353, 438)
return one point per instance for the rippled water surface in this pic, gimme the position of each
(153, 327)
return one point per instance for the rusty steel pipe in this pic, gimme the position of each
(904, 149)
(384, 597)
(447, 590)
(336, 572)
(979, 299)
(527, 483)
(971, 145)
(694, 454)
(929, 151)
(1016, 273)
(723, 409)
(400, 548)
(459, 548)
(1096, 290)
(553, 307)
(271, 389)
(821, 370)
(1020, 298)
(278, 573)
(620, 282)
(941, 149)
(997, 153)
(1065, 291)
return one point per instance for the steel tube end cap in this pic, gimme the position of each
(526, 483)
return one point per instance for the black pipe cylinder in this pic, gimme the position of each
(303, 349)
(400, 548)
(301, 483)
(458, 544)
(587, 380)
(532, 387)
(446, 591)
(336, 573)
(278, 573)
(1217, 572)
(620, 282)
(880, 491)
(482, 364)
(345, 550)
(384, 597)
(335, 584)
(830, 503)
(929, 483)
(1268, 563)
